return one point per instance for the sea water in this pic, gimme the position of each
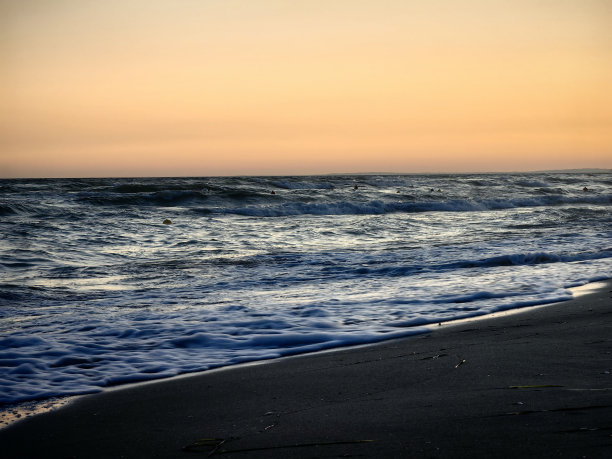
(95, 290)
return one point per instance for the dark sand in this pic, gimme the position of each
(532, 384)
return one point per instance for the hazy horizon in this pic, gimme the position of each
(249, 88)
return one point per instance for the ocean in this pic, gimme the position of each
(96, 290)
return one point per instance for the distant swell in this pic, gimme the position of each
(288, 185)
(165, 198)
(381, 207)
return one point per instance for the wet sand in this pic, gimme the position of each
(533, 384)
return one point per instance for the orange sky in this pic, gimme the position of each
(228, 87)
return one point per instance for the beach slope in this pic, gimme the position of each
(532, 384)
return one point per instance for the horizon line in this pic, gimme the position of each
(586, 170)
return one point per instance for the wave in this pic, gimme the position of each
(165, 198)
(531, 183)
(536, 258)
(314, 195)
(302, 185)
(168, 197)
(384, 207)
(154, 187)
(258, 203)
(515, 259)
(15, 208)
(7, 210)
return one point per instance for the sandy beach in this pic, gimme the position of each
(537, 383)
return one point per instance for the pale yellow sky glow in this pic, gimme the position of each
(229, 87)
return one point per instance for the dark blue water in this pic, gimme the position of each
(95, 290)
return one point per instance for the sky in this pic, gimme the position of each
(94, 88)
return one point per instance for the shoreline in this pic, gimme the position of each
(15, 412)
(533, 384)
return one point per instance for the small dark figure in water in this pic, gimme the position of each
(585, 189)
(356, 187)
(273, 192)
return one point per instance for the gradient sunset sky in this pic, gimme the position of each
(249, 87)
